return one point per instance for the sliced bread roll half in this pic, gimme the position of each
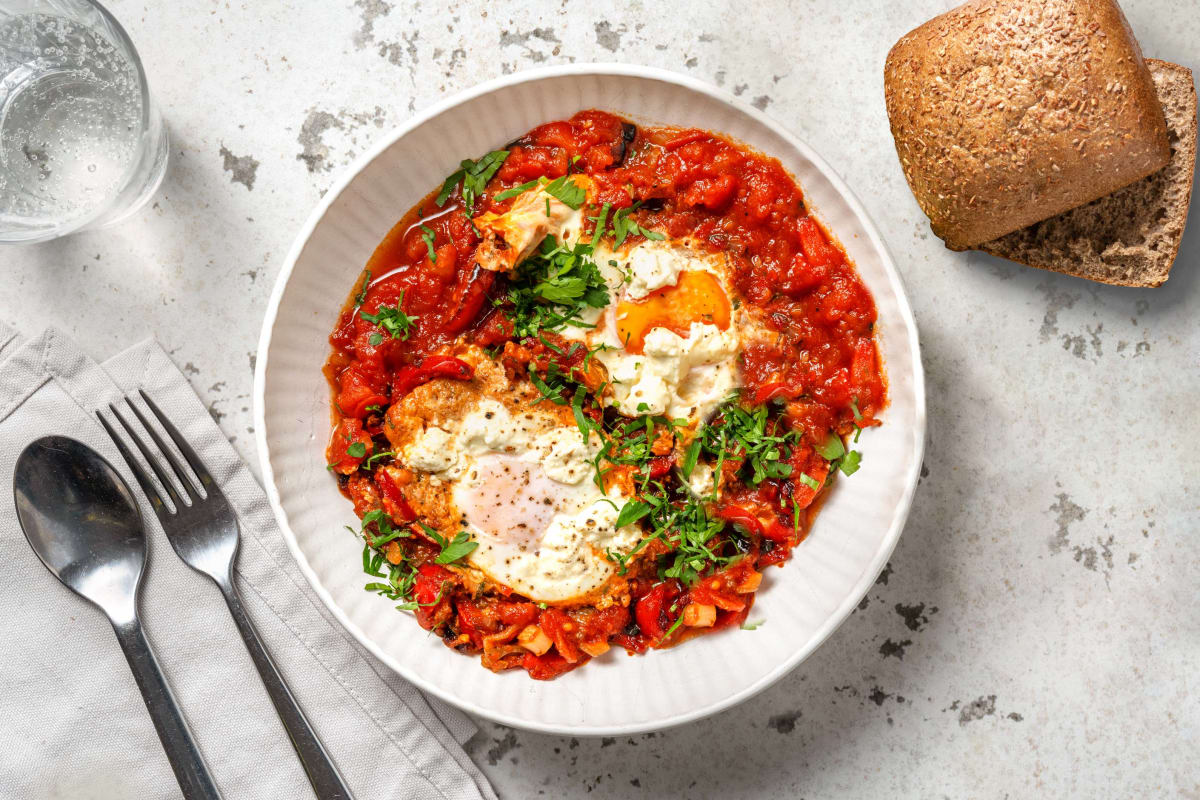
(1007, 112)
(1130, 237)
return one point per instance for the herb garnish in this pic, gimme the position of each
(362, 292)
(400, 577)
(376, 456)
(762, 442)
(623, 226)
(834, 451)
(474, 177)
(516, 190)
(567, 191)
(674, 626)
(391, 319)
(452, 550)
(552, 288)
(631, 512)
(427, 236)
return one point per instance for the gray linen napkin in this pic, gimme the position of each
(73, 724)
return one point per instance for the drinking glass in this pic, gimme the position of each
(82, 144)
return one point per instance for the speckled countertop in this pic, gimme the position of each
(1036, 633)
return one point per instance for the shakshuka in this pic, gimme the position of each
(590, 388)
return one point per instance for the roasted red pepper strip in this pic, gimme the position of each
(661, 465)
(356, 393)
(650, 608)
(348, 437)
(428, 590)
(549, 666)
(394, 503)
(472, 300)
(740, 516)
(431, 368)
(769, 391)
(776, 531)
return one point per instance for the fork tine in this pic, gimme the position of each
(189, 485)
(193, 460)
(143, 478)
(150, 459)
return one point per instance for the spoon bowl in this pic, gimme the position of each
(82, 521)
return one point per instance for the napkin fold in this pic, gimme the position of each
(74, 724)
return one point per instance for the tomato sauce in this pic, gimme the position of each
(821, 369)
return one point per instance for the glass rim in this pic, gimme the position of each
(125, 42)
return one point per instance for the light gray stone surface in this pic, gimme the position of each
(1036, 633)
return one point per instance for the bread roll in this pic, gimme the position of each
(1007, 112)
(1130, 237)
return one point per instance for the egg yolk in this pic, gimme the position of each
(697, 296)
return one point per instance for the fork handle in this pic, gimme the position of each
(322, 773)
(190, 770)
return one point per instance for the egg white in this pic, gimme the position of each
(524, 487)
(683, 377)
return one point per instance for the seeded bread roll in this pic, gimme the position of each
(1130, 237)
(1007, 112)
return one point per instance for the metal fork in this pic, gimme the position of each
(203, 530)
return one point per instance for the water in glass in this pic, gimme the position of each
(79, 145)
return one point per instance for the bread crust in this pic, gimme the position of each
(1132, 236)
(1007, 112)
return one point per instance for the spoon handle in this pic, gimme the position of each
(190, 770)
(322, 773)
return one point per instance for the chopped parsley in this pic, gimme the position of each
(834, 451)
(474, 177)
(850, 462)
(376, 456)
(601, 221)
(516, 190)
(691, 458)
(762, 445)
(631, 512)
(585, 423)
(427, 236)
(567, 192)
(452, 550)
(761, 442)
(833, 448)
(689, 529)
(400, 577)
(675, 625)
(623, 226)
(551, 289)
(362, 291)
(391, 319)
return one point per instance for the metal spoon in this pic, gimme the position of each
(81, 519)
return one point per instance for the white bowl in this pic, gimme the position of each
(803, 602)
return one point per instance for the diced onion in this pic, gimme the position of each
(534, 639)
(593, 649)
(749, 583)
(696, 615)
